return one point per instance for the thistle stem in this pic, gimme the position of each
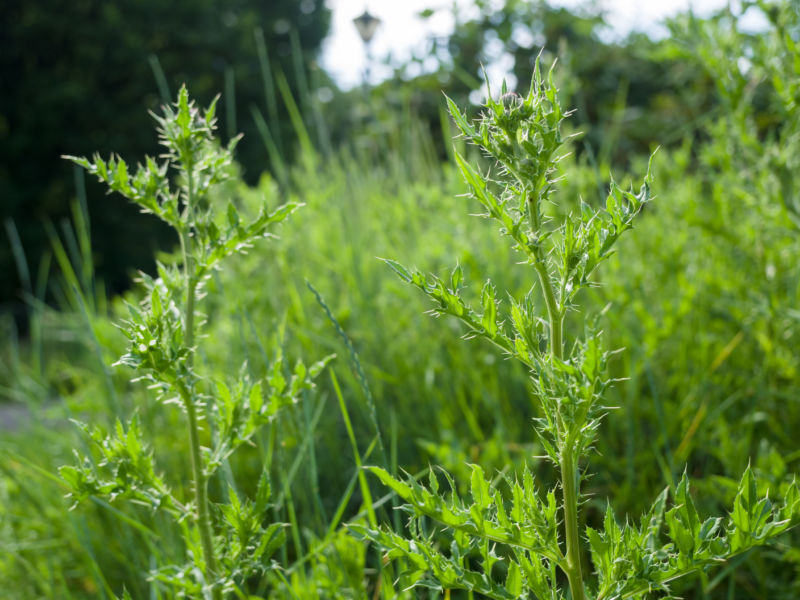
(553, 312)
(568, 484)
(203, 517)
(569, 477)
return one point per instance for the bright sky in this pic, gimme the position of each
(401, 31)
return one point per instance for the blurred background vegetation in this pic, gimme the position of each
(80, 77)
(704, 293)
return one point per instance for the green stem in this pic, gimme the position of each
(203, 517)
(568, 484)
(553, 312)
(569, 477)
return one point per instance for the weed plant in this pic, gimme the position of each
(539, 534)
(227, 543)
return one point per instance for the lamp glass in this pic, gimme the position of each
(366, 25)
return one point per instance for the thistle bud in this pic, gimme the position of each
(511, 100)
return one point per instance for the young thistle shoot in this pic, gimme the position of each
(522, 135)
(162, 334)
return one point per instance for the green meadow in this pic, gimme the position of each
(697, 307)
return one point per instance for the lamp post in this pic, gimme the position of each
(366, 24)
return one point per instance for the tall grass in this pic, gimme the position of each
(706, 303)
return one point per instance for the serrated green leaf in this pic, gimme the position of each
(125, 594)
(183, 118)
(256, 398)
(456, 277)
(399, 269)
(155, 303)
(211, 111)
(263, 492)
(489, 317)
(273, 538)
(479, 487)
(400, 488)
(514, 580)
(459, 119)
(317, 368)
(433, 481)
(78, 160)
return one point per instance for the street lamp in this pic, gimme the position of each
(366, 25)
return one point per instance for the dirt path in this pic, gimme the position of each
(14, 416)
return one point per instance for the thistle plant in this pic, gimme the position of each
(228, 543)
(510, 539)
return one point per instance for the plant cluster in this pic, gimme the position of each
(228, 543)
(536, 538)
(703, 297)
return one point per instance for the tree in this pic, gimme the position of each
(73, 71)
(658, 94)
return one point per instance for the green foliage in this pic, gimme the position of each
(161, 333)
(630, 560)
(81, 76)
(703, 298)
(123, 468)
(523, 137)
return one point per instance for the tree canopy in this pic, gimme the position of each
(80, 76)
